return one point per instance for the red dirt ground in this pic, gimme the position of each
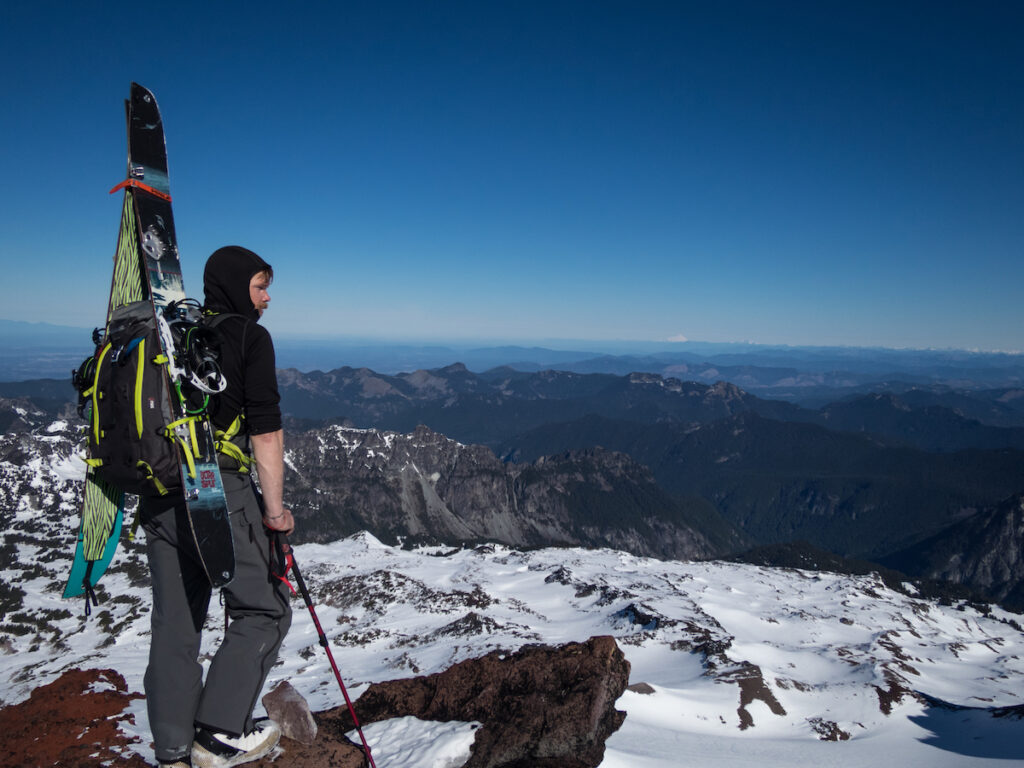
(74, 722)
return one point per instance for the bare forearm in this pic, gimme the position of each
(268, 450)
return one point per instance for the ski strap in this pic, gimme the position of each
(136, 184)
(90, 592)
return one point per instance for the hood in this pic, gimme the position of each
(226, 280)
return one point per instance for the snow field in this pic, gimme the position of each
(818, 645)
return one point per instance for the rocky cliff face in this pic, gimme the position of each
(425, 487)
(420, 487)
(984, 552)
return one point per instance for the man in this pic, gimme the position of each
(212, 722)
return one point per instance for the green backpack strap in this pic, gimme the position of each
(226, 447)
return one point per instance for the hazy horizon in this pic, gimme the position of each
(610, 345)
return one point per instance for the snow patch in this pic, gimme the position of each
(407, 742)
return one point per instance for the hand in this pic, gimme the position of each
(282, 521)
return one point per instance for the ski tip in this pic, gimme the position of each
(141, 93)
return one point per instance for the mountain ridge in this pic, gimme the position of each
(424, 487)
(799, 374)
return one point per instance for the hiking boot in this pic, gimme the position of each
(218, 750)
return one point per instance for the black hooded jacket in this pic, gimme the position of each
(247, 351)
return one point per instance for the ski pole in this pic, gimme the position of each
(288, 559)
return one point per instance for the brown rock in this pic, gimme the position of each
(330, 750)
(643, 688)
(289, 709)
(542, 706)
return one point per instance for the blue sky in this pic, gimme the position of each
(794, 172)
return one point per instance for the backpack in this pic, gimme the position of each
(136, 440)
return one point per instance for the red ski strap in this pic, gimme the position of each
(284, 576)
(136, 184)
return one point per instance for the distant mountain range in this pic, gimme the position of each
(811, 376)
(866, 476)
(493, 406)
(650, 464)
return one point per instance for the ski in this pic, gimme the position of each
(102, 503)
(102, 515)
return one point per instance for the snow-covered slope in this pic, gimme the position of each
(742, 664)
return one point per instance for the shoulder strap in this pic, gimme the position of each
(213, 320)
(226, 440)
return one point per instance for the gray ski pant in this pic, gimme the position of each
(258, 608)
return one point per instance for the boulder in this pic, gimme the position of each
(289, 709)
(540, 706)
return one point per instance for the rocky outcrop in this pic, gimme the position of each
(542, 706)
(425, 487)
